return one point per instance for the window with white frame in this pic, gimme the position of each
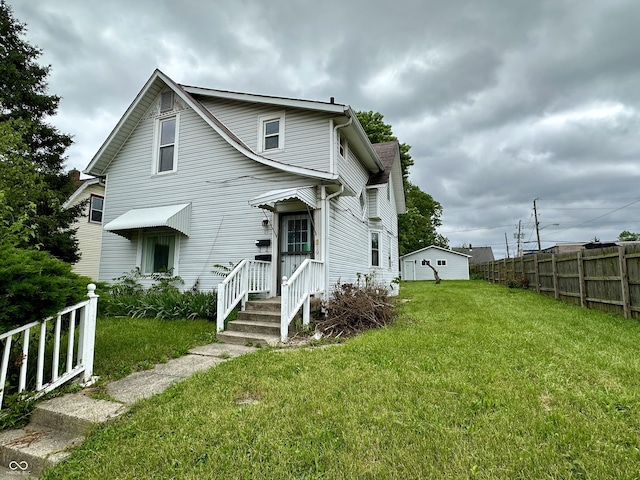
(442, 263)
(96, 205)
(375, 249)
(167, 144)
(342, 147)
(158, 253)
(271, 132)
(426, 262)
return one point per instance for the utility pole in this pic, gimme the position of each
(519, 237)
(535, 214)
(506, 243)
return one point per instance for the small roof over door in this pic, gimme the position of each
(176, 217)
(268, 200)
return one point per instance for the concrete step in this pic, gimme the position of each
(269, 305)
(243, 338)
(30, 450)
(76, 413)
(253, 326)
(260, 316)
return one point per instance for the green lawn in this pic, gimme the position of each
(482, 382)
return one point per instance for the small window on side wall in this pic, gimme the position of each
(442, 263)
(96, 205)
(375, 249)
(342, 148)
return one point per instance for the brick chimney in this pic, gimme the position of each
(75, 177)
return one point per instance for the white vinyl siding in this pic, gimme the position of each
(307, 134)
(214, 177)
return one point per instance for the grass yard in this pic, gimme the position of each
(482, 382)
(125, 345)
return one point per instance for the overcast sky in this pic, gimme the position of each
(502, 101)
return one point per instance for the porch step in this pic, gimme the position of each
(56, 426)
(258, 316)
(248, 338)
(254, 326)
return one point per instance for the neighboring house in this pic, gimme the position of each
(449, 264)
(477, 255)
(197, 177)
(89, 227)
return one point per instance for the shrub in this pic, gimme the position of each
(163, 300)
(518, 282)
(35, 285)
(353, 308)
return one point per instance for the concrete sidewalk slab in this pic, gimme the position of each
(222, 350)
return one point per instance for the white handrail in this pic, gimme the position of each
(249, 276)
(307, 280)
(83, 348)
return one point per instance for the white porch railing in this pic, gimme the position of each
(77, 355)
(249, 276)
(307, 280)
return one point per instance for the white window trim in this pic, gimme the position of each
(91, 197)
(443, 264)
(342, 142)
(155, 167)
(262, 120)
(380, 249)
(143, 235)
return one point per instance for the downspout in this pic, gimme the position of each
(326, 211)
(332, 166)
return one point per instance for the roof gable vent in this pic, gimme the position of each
(166, 101)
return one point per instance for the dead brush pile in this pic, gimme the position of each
(356, 307)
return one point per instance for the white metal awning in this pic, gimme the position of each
(177, 217)
(268, 201)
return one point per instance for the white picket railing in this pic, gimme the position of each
(307, 280)
(77, 359)
(249, 276)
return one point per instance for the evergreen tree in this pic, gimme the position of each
(417, 227)
(24, 108)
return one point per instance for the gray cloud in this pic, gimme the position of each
(502, 102)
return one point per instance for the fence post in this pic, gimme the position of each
(583, 283)
(624, 278)
(537, 272)
(554, 268)
(89, 332)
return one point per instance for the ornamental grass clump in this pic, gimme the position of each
(356, 307)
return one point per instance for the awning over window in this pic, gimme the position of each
(177, 217)
(268, 201)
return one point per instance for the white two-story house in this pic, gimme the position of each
(196, 177)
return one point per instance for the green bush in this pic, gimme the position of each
(163, 300)
(34, 285)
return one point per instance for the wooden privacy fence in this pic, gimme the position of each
(606, 279)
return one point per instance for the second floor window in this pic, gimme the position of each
(166, 154)
(375, 249)
(272, 134)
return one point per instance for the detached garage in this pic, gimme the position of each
(450, 265)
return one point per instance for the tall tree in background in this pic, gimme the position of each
(417, 227)
(627, 236)
(37, 148)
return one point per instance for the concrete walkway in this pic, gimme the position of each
(60, 424)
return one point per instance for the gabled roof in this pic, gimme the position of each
(389, 155)
(477, 254)
(156, 84)
(434, 247)
(85, 184)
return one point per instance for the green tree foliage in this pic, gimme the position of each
(627, 236)
(417, 227)
(32, 151)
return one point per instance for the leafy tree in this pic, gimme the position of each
(627, 236)
(33, 150)
(417, 227)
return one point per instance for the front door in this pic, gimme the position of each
(296, 241)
